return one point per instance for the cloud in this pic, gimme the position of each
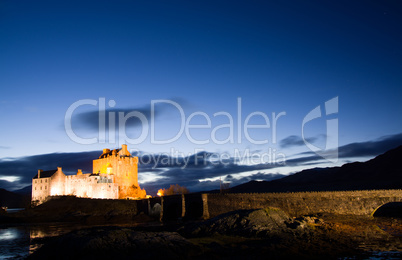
(354, 150)
(8, 185)
(165, 161)
(185, 171)
(304, 160)
(295, 140)
(376, 147)
(260, 176)
(202, 168)
(196, 185)
(27, 167)
(90, 120)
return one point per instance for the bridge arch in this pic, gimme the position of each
(390, 209)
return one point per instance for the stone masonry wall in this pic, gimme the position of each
(302, 203)
(197, 206)
(40, 189)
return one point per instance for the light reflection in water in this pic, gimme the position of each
(8, 234)
(17, 242)
(20, 241)
(14, 243)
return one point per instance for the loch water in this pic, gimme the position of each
(19, 241)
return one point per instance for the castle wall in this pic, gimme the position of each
(87, 186)
(105, 191)
(79, 185)
(124, 170)
(57, 183)
(40, 189)
(82, 185)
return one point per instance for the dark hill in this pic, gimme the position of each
(382, 172)
(14, 200)
(25, 191)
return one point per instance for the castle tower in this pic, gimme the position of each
(124, 168)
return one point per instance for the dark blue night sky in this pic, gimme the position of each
(273, 56)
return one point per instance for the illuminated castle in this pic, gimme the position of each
(114, 176)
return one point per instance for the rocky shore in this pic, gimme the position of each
(79, 210)
(244, 234)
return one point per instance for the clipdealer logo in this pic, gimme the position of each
(113, 122)
(330, 152)
(107, 124)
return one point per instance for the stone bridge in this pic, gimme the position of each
(195, 206)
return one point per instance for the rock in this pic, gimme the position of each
(304, 222)
(116, 243)
(262, 222)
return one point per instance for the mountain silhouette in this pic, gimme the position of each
(14, 200)
(382, 172)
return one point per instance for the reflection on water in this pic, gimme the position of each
(14, 243)
(7, 234)
(14, 210)
(17, 242)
